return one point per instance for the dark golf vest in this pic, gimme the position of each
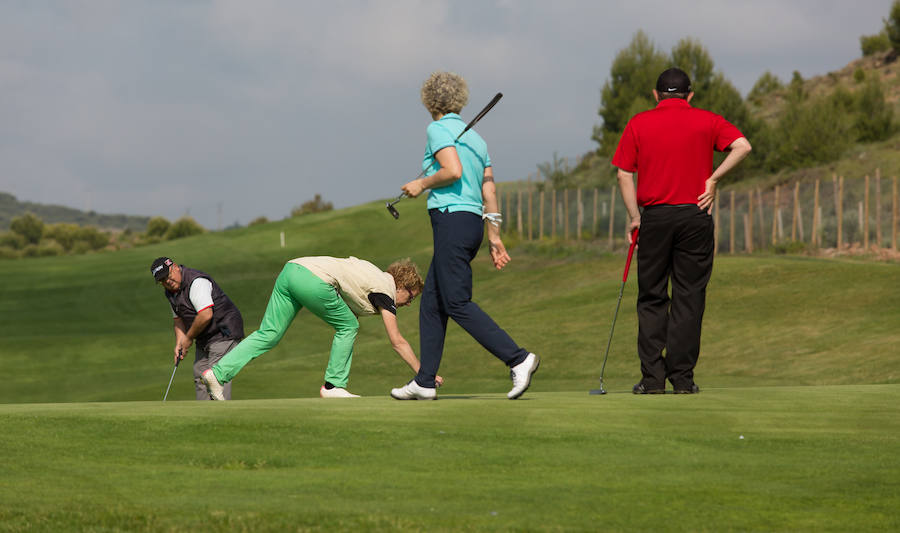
(226, 322)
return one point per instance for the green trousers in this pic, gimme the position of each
(296, 288)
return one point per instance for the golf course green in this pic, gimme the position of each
(797, 427)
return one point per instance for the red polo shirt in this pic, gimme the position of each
(671, 149)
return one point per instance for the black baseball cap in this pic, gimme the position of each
(160, 268)
(673, 80)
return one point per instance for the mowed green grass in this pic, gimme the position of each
(799, 357)
(745, 459)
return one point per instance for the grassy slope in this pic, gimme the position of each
(88, 328)
(94, 327)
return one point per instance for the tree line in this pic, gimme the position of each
(789, 125)
(30, 236)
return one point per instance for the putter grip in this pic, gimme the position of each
(634, 235)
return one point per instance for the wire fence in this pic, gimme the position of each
(825, 213)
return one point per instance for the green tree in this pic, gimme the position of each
(875, 117)
(157, 227)
(817, 130)
(694, 59)
(767, 84)
(184, 227)
(796, 89)
(65, 234)
(316, 205)
(28, 226)
(873, 44)
(892, 26)
(628, 90)
(557, 174)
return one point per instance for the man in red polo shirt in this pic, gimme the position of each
(671, 148)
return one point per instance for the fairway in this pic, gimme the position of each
(745, 459)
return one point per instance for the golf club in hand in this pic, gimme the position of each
(390, 205)
(634, 238)
(178, 360)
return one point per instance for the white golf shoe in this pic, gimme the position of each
(336, 392)
(216, 391)
(521, 375)
(413, 391)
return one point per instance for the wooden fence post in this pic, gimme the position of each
(748, 240)
(796, 212)
(579, 215)
(731, 217)
(762, 219)
(612, 214)
(519, 212)
(541, 219)
(566, 211)
(894, 214)
(530, 216)
(553, 213)
(839, 208)
(878, 241)
(866, 216)
(594, 225)
(814, 238)
(775, 219)
(748, 223)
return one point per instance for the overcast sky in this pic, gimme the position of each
(174, 107)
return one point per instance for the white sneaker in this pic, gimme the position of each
(413, 391)
(336, 392)
(521, 375)
(216, 391)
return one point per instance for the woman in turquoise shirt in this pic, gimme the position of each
(461, 180)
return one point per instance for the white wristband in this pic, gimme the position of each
(494, 218)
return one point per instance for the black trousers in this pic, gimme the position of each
(448, 294)
(675, 246)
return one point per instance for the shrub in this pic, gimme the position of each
(7, 252)
(859, 75)
(44, 249)
(157, 227)
(12, 240)
(873, 44)
(258, 220)
(184, 227)
(64, 234)
(28, 226)
(875, 117)
(892, 26)
(316, 205)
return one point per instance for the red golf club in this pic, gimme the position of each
(634, 238)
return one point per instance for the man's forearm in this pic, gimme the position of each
(629, 194)
(200, 322)
(739, 149)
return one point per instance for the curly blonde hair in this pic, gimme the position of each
(444, 92)
(406, 276)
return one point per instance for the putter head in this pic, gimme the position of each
(601, 390)
(392, 210)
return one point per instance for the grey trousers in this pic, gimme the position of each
(205, 359)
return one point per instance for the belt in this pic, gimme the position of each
(654, 206)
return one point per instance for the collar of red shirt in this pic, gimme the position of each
(673, 102)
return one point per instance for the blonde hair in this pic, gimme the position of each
(406, 275)
(444, 92)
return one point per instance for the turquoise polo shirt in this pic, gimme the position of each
(465, 193)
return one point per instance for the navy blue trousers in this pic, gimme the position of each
(675, 247)
(448, 294)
